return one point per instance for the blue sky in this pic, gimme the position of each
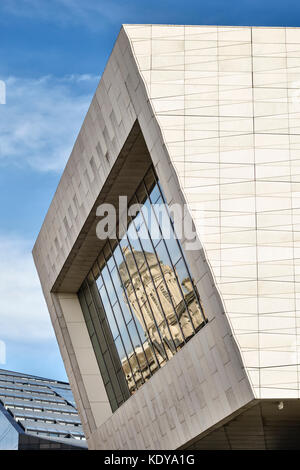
(52, 55)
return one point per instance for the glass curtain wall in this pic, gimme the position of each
(139, 300)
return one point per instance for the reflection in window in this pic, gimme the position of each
(147, 306)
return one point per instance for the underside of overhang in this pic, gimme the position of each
(123, 179)
(266, 425)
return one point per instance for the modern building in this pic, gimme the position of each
(171, 342)
(37, 414)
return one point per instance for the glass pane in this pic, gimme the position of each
(135, 259)
(139, 351)
(134, 335)
(145, 240)
(138, 221)
(119, 318)
(191, 308)
(100, 360)
(118, 256)
(154, 229)
(95, 271)
(120, 349)
(121, 377)
(127, 342)
(99, 282)
(183, 276)
(173, 248)
(108, 312)
(95, 321)
(106, 252)
(155, 194)
(109, 287)
(110, 263)
(101, 261)
(162, 254)
(121, 296)
(163, 219)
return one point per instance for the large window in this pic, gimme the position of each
(139, 300)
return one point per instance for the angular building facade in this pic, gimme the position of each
(37, 414)
(170, 344)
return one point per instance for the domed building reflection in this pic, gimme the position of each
(166, 308)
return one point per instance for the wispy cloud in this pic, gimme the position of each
(94, 14)
(41, 119)
(23, 312)
(26, 335)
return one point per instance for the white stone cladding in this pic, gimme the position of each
(219, 110)
(228, 103)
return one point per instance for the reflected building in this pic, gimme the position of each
(140, 296)
(167, 310)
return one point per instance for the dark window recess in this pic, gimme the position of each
(139, 300)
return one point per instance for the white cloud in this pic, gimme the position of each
(23, 313)
(41, 119)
